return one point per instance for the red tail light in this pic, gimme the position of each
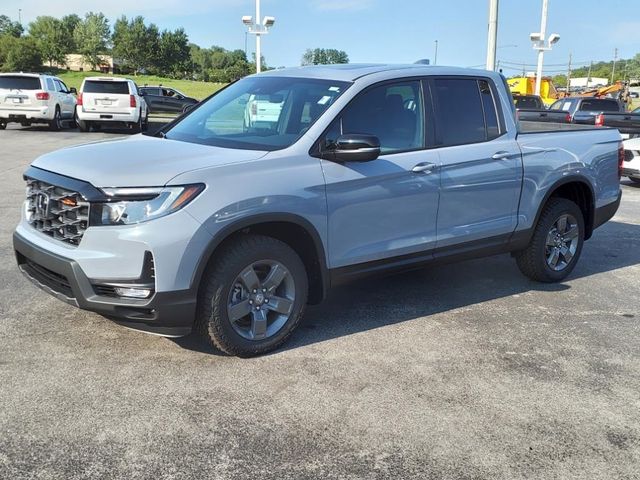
(79, 100)
(568, 118)
(620, 158)
(42, 95)
(599, 120)
(132, 101)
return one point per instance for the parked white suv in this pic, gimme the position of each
(113, 101)
(28, 98)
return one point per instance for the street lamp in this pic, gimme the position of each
(538, 39)
(258, 28)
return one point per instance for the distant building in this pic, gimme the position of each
(77, 63)
(583, 82)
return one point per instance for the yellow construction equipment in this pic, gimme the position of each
(527, 86)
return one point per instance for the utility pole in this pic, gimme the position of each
(615, 59)
(435, 56)
(569, 75)
(589, 74)
(492, 37)
(20, 16)
(543, 34)
(258, 41)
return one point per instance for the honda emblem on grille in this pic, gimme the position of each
(42, 204)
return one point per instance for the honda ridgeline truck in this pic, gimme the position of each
(231, 228)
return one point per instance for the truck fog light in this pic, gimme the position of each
(132, 292)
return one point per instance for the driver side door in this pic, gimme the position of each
(386, 207)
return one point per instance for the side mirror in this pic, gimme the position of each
(142, 94)
(356, 147)
(73, 90)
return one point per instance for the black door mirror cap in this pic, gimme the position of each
(356, 147)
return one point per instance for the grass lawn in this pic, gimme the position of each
(198, 90)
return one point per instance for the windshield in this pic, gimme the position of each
(259, 113)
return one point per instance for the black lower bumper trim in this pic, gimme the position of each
(165, 313)
(606, 213)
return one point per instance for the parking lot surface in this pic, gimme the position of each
(466, 371)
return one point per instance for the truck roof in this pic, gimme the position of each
(352, 71)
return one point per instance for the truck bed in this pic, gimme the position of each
(525, 127)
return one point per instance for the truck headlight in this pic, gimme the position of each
(128, 206)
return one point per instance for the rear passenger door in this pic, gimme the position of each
(382, 208)
(481, 170)
(66, 99)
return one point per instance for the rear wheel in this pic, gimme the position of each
(56, 123)
(556, 243)
(252, 297)
(3, 125)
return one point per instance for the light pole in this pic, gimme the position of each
(20, 16)
(538, 40)
(258, 27)
(492, 38)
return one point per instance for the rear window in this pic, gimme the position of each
(19, 82)
(97, 86)
(528, 102)
(600, 105)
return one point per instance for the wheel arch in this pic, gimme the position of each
(580, 191)
(295, 231)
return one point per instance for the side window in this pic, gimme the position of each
(393, 113)
(50, 85)
(490, 110)
(459, 111)
(556, 106)
(61, 87)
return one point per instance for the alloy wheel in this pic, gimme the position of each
(562, 242)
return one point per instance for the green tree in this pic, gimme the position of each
(50, 37)
(69, 24)
(173, 57)
(135, 44)
(7, 27)
(324, 56)
(22, 55)
(91, 36)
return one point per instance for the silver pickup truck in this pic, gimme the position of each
(231, 228)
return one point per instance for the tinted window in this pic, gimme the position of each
(259, 113)
(150, 91)
(60, 87)
(600, 105)
(97, 86)
(18, 82)
(393, 113)
(528, 102)
(459, 111)
(490, 110)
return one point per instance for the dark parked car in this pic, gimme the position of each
(601, 112)
(165, 99)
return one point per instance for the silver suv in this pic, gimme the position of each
(28, 98)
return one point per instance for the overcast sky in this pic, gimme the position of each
(384, 30)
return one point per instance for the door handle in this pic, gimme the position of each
(501, 155)
(424, 167)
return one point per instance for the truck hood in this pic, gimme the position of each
(138, 161)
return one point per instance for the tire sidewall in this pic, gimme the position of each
(561, 208)
(219, 323)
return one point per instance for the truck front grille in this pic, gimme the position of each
(60, 213)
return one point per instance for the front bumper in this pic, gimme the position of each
(165, 313)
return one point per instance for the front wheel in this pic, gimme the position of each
(56, 124)
(3, 125)
(252, 297)
(634, 179)
(556, 243)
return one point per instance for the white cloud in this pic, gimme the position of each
(342, 4)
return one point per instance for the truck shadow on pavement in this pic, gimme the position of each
(382, 301)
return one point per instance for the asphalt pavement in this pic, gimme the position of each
(465, 371)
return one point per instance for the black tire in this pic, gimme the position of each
(145, 124)
(3, 125)
(634, 180)
(56, 124)
(212, 319)
(532, 261)
(139, 125)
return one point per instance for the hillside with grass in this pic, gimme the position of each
(191, 88)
